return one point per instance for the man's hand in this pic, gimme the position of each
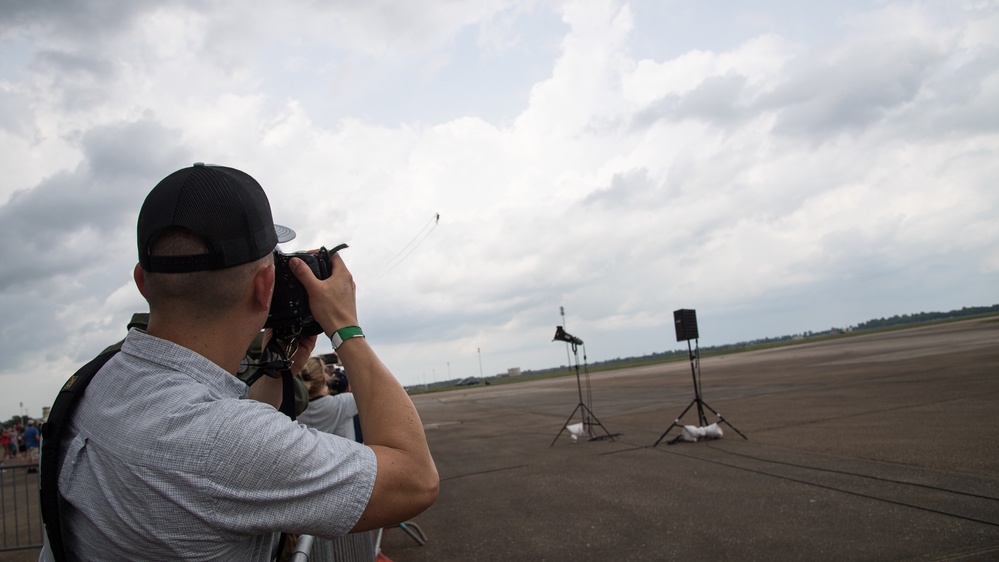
(302, 354)
(332, 301)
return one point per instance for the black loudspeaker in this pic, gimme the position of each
(686, 324)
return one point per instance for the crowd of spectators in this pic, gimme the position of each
(20, 442)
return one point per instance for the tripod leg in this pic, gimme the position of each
(594, 416)
(676, 422)
(670, 428)
(723, 420)
(567, 420)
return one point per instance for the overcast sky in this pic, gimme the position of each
(778, 166)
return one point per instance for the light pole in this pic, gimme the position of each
(568, 362)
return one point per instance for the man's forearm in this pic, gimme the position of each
(406, 482)
(407, 479)
(268, 390)
(388, 416)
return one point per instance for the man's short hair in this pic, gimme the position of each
(210, 291)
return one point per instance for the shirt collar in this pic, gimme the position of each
(174, 357)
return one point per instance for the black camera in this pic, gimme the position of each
(290, 316)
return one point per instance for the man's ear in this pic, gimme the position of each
(140, 279)
(263, 288)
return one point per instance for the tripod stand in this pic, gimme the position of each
(695, 373)
(589, 418)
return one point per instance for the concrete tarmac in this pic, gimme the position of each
(872, 447)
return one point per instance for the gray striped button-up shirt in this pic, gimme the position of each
(166, 459)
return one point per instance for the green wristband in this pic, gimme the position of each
(344, 334)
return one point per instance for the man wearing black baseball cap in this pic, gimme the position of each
(166, 458)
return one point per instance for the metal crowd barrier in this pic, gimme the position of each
(20, 510)
(355, 547)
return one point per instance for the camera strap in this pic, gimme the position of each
(288, 394)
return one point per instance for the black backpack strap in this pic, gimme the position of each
(53, 431)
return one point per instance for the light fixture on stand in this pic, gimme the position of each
(589, 420)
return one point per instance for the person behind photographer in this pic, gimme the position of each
(165, 458)
(330, 413)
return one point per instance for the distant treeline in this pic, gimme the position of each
(682, 354)
(926, 317)
(875, 324)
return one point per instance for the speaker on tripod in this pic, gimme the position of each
(685, 322)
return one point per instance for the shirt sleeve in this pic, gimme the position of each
(269, 473)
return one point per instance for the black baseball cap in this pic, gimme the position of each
(223, 206)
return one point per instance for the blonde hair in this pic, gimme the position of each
(314, 374)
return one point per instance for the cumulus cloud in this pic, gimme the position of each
(774, 182)
(73, 221)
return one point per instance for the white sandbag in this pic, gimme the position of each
(575, 431)
(693, 433)
(713, 431)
